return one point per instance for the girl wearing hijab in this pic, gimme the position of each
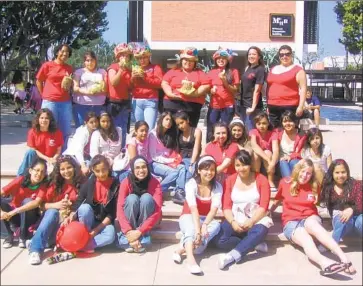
(138, 207)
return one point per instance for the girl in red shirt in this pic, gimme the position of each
(265, 147)
(54, 84)
(138, 206)
(65, 181)
(301, 222)
(185, 87)
(245, 202)
(44, 140)
(223, 150)
(145, 83)
(197, 223)
(225, 84)
(27, 194)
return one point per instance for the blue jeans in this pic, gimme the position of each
(62, 112)
(120, 118)
(287, 166)
(189, 174)
(80, 112)
(248, 119)
(239, 244)
(46, 231)
(105, 237)
(170, 175)
(186, 224)
(137, 211)
(341, 229)
(215, 115)
(29, 156)
(145, 109)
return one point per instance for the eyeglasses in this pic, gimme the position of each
(281, 55)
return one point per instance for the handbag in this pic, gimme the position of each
(121, 161)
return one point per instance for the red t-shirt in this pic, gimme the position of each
(203, 207)
(264, 142)
(120, 91)
(282, 89)
(67, 189)
(298, 207)
(101, 190)
(20, 193)
(223, 97)
(149, 86)
(45, 142)
(219, 154)
(52, 74)
(175, 78)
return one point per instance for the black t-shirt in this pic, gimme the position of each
(251, 77)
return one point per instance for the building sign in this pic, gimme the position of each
(281, 25)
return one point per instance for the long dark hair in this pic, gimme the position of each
(98, 159)
(290, 116)
(180, 114)
(203, 166)
(111, 133)
(52, 123)
(229, 136)
(260, 56)
(57, 179)
(59, 47)
(244, 157)
(310, 134)
(328, 184)
(259, 116)
(244, 138)
(168, 139)
(139, 124)
(27, 181)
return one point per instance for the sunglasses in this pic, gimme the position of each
(281, 55)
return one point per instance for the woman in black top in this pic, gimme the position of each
(189, 142)
(252, 82)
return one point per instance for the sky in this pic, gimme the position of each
(329, 29)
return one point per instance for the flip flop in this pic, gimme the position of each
(347, 265)
(329, 270)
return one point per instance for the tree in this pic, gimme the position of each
(33, 27)
(350, 15)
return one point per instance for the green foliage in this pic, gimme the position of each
(30, 28)
(354, 67)
(350, 15)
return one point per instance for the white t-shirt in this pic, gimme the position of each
(191, 193)
(107, 148)
(322, 161)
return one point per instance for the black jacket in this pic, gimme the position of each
(101, 211)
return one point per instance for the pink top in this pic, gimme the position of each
(142, 148)
(157, 151)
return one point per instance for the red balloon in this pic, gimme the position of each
(72, 237)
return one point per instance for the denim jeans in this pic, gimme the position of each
(187, 228)
(137, 210)
(239, 244)
(80, 112)
(105, 237)
(215, 115)
(46, 231)
(248, 119)
(62, 112)
(189, 174)
(170, 175)
(120, 120)
(287, 166)
(145, 109)
(23, 220)
(29, 156)
(341, 229)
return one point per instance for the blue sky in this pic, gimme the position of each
(329, 29)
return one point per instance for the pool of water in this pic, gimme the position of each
(340, 114)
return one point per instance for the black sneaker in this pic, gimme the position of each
(179, 197)
(8, 242)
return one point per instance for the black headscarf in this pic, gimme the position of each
(139, 187)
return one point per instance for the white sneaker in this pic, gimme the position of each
(224, 260)
(194, 269)
(22, 243)
(129, 250)
(262, 247)
(177, 258)
(34, 258)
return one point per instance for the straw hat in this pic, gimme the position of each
(122, 48)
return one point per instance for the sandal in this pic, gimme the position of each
(347, 265)
(329, 270)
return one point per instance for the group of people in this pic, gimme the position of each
(113, 182)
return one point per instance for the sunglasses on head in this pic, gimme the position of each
(284, 55)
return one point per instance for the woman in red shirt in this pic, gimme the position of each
(138, 206)
(223, 150)
(145, 85)
(27, 194)
(245, 202)
(65, 181)
(300, 219)
(185, 87)
(54, 85)
(225, 83)
(44, 140)
(118, 83)
(286, 87)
